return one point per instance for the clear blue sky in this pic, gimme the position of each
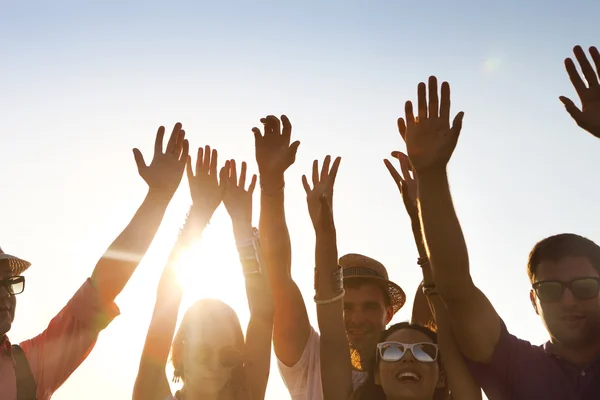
(81, 83)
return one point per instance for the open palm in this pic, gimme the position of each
(320, 197)
(204, 186)
(236, 198)
(588, 117)
(430, 140)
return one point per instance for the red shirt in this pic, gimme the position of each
(62, 347)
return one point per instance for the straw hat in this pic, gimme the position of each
(16, 265)
(356, 266)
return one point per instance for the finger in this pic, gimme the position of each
(242, 183)
(257, 135)
(445, 102)
(402, 128)
(293, 150)
(214, 158)
(199, 161)
(422, 101)
(268, 126)
(457, 124)
(287, 128)
(179, 144)
(315, 173)
(173, 138)
(596, 57)
(206, 161)
(325, 168)
(571, 108)
(188, 169)
(586, 67)
(334, 170)
(252, 184)
(433, 97)
(224, 174)
(393, 172)
(404, 166)
(575, 78)
(305, 184)
(139, 160)
(410, 116)
(232, 172)
(158, 142)
(186, 151)
(275, 124)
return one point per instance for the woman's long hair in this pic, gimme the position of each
(203, 312)
(369, 390)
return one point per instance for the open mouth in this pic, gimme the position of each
(408, 377)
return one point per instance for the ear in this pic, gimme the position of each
(533, 302)
(389, 314)
(441, 378)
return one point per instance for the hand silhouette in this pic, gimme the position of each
(204, 187)
(406, 183)
(320, 197)
(274, 153)
(237, 200)
(588, 117)
(164, 173)
(430, 140)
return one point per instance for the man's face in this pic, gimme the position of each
(366, 316)
(8, 302)
(569, 320)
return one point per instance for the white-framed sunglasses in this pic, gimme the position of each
(395, 351)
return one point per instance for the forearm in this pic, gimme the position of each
(443, 237)
(336, 366)
(114, 269)
(275, 237)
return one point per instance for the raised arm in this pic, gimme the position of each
(588, 117)
(430, 141)
(274, 155)
(163, 175)
(257, 351)
(429, 309)
(151, 382)
(336, 365)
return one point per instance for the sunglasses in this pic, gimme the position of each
(229, 357)
(582, 289)
(14, 284)
(394, 351)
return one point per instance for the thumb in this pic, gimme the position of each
(457, 123)
(139, 160)
(572, 109)
(293, 150)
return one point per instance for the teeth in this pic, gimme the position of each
(408, 375)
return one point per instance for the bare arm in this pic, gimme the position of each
(274, 155)
(151, 382)
(163, 175)
(257, 352)
(430, 143)
(336, 365)
(430, 310)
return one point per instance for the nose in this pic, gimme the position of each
(408, 357)
(568, 299)
(4, 293)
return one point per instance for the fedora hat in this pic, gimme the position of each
(17, 265)
(355, 266)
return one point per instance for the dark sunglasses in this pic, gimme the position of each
(394, 351)
(14, 284)
(229, 357)
(582, 289)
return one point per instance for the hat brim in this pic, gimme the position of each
(16, 265)
(397, 295)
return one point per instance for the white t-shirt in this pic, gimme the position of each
(303, 380)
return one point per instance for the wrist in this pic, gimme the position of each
(272, 184)
(158, 197)
(432, 173)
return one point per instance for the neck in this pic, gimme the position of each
(579, 355)
(224, 394)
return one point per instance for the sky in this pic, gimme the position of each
(83, 82)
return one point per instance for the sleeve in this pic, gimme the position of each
(69, 338)
(298, 376)
(510, 367)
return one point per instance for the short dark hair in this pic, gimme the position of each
(357, 282)
(557, 247)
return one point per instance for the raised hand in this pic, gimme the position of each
(588, 117)
(320, 197)
(274, 153)
(164, 173)
(430, 140)
(406, 183)
(204, 187)
(237, 199)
